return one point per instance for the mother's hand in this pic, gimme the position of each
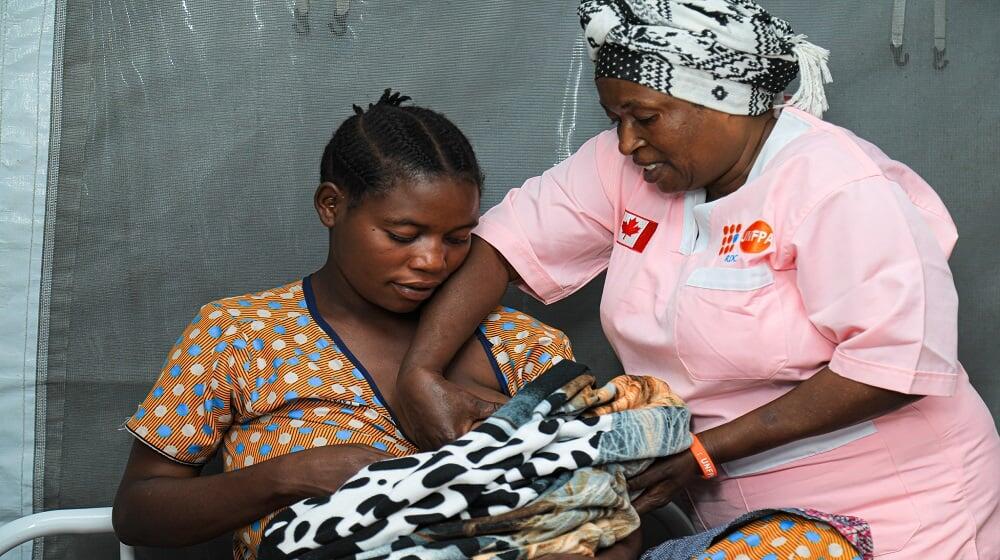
(663, 479)
(434, 411)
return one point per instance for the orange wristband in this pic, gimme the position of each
(705, 463)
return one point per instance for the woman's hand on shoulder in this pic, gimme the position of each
(434, 411)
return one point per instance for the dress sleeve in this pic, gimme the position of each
(875, 281)
(548, 347)
(523, 347)
(191, 406)
(557, 229)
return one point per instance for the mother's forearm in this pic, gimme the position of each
(821, 404)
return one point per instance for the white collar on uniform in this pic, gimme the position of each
(788, 128)
(697, 212)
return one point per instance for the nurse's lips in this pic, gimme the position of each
(415, 291)
(651, 171)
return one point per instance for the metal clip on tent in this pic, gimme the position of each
(940, 34)
(896, 42)
(339, 24)
(901, 58)
(939, 60)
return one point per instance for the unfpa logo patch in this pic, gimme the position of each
(730, 237)
(755, 239)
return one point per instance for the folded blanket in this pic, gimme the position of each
(545, 474)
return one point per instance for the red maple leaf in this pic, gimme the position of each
(630, 227)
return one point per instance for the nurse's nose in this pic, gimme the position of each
(628, 140)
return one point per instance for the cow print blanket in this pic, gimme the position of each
(545, 474)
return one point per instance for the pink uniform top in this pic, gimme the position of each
(831, 253)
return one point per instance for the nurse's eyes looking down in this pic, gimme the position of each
(641, 118)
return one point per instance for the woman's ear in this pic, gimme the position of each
(330, 202)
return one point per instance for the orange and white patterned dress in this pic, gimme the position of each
(264, 375)
(783, 536)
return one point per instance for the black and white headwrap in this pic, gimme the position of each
(727, 55)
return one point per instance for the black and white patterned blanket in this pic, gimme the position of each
(545, 474)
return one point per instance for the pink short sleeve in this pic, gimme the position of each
(875, 281)
(556, 230)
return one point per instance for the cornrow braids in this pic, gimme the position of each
(408, 139)
(453, 148)
(386, 142)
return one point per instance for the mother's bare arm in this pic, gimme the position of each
(161, 502)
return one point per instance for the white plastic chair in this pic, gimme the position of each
(60, 522)
(666, 523)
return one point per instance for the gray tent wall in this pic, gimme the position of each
(187, 137)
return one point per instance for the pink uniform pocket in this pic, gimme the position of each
(730, 324)
(859, 479)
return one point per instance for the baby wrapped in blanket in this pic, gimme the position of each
(544, 474)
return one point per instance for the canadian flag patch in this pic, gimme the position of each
(635, 231)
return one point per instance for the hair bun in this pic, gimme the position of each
(393, 99)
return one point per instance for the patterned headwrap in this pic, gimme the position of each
(728, 55)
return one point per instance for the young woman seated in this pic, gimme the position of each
(295, 385)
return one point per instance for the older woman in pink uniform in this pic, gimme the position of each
(784, 276)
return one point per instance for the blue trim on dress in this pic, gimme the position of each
(501, 378)
(314, 312)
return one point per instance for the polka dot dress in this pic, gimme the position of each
(263, 375)
(782, 536)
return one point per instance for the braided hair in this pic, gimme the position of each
(375, 147)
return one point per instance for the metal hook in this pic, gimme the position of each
(901, 58)
(939, 61)
(339, 24)
(301, 13)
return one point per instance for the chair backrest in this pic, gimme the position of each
(59, 522)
